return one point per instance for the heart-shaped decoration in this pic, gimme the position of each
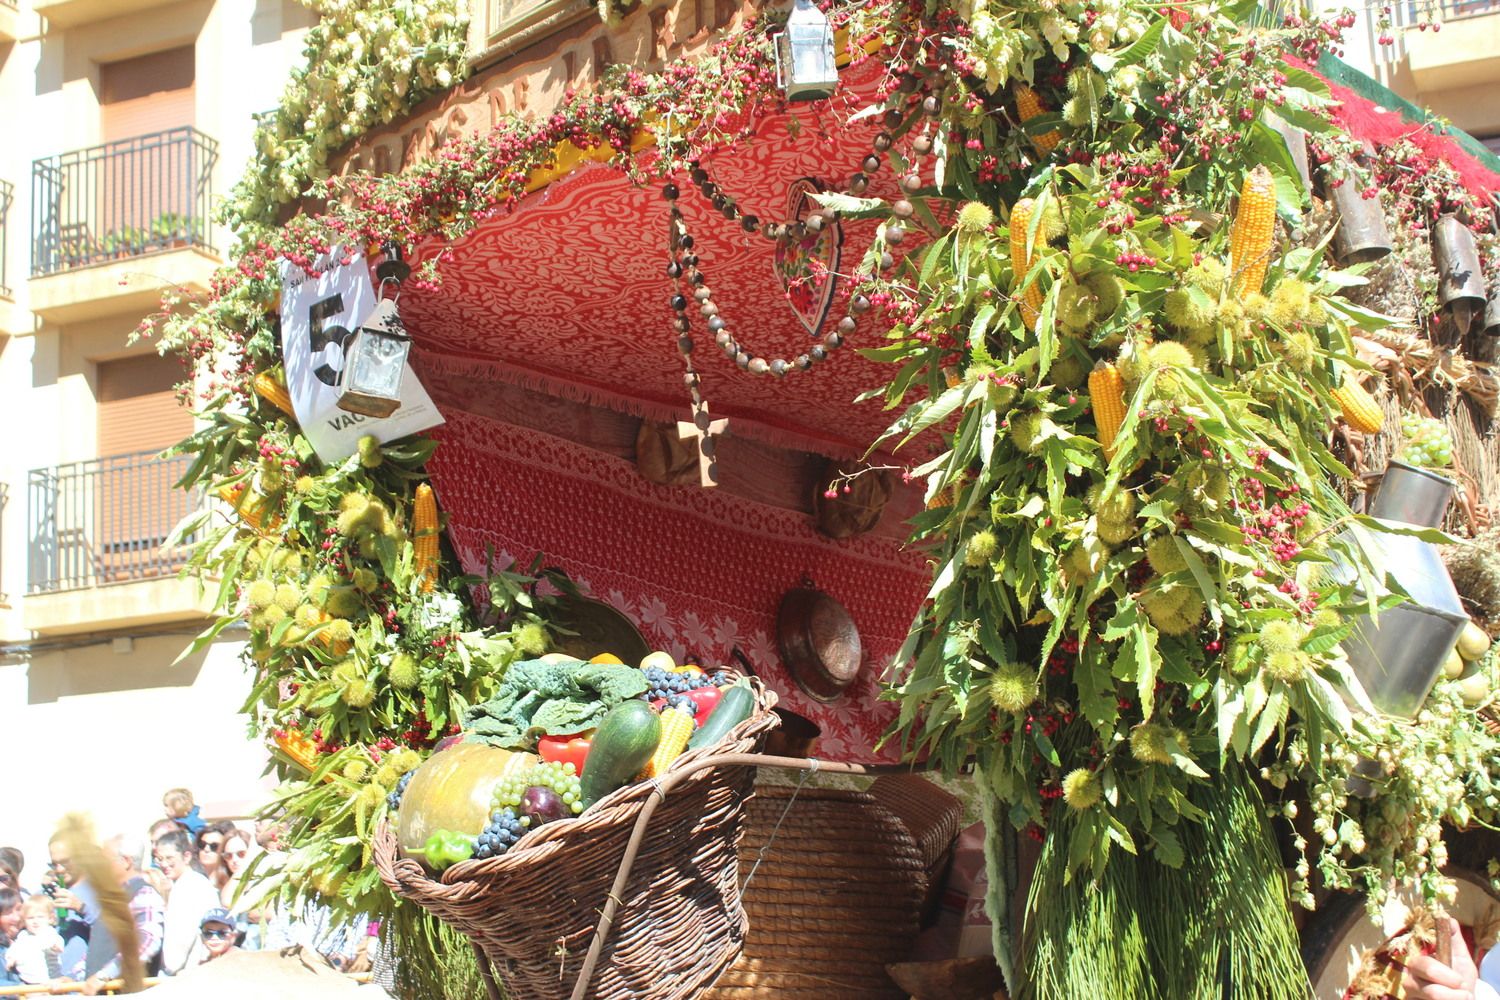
(808, 268)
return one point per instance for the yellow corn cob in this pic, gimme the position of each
(295, 744)
(1107, 396)
(335, 647)
(1358, 407)
(1028, 106)
(273, 392)
(251, 507)
(1254, 229)
(676, 727)
(1020, 263)
(425, 537)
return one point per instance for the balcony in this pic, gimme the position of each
(13, 319)
(7, 196)
(96, 212)
(97, 557)
(70, 13)
(4, 501)
(1465, 54)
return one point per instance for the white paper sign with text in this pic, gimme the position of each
(318, 316)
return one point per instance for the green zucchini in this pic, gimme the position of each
(622, 745)
(735, 707)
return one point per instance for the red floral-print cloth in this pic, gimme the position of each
(567, 293)
(699, 571)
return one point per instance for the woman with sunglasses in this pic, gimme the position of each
(239, 897)
(210, 852)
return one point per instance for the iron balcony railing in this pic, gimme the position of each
(1455, 9)
(105, 521)
(7, 195)
(121, 199)
(4, 500)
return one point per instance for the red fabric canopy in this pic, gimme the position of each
(569, 291)
(568, 294)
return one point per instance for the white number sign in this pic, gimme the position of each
(318, 316)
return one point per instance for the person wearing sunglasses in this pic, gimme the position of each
(210, 845)
(217, 932)
(242, 898)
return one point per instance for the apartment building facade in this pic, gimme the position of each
(1453, 71)
(127, 120)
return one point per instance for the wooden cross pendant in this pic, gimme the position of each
(704, 430)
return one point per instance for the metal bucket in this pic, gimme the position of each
(1362, 236)
(1398, 655)
(1412, 495)
(1460, 285)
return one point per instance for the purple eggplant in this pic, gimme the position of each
(543, 805)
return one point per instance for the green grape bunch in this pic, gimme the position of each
(1426, 442)
(561, 778)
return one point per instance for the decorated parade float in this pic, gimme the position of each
(1062, 398)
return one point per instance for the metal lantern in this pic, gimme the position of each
(805, 65)
(374, 361)
(1492, 309)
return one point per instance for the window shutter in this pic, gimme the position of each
(150, 93)
(138, 408)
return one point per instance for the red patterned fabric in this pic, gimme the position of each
(699, 571)
(569, 292)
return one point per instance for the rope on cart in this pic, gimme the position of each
(759, 857)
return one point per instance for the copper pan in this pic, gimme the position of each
(818, 641)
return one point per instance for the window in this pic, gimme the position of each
(138, 408)
(149, 93)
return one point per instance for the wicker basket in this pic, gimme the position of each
(532, 913)
(835, 898)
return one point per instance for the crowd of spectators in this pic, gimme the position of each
(188, 897)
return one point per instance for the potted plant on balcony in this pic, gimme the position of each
(126, 241)
(171, 230)
(75, 247)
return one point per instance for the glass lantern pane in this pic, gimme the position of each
(810, 63)
(378, 363)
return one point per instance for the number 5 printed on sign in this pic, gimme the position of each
(318, 316)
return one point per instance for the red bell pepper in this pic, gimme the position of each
(571, 749)
(707, 699)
